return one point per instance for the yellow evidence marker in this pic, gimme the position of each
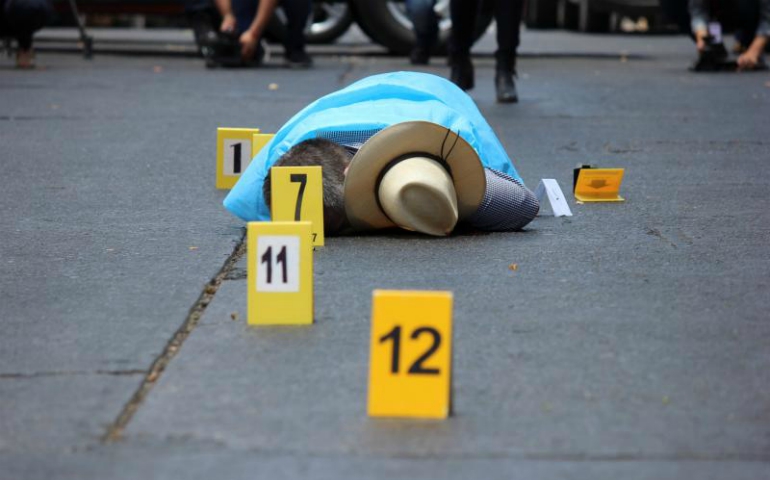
(279, 273)
(259, 141)
(296, 194)
(599, 185)
(235, 149)
(410, 365)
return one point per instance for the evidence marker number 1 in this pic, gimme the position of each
(235, 149)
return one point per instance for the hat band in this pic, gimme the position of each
(400, 159)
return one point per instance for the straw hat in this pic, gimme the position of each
(416, 175)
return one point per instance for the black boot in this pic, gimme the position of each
(505, 86)
(462, 71)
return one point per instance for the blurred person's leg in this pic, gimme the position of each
(463, 13)
(747, 12)
(508, 15)
(297, 14)
(753, 18)
(425, 25)
(22, 19)
(250, 19)
(708, 19)
(204, 19)
(244, 12)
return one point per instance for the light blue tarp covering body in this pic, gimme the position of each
(372, 103)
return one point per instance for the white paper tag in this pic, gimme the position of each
(548, 187)
(237, 156)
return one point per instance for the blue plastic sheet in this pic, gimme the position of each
(374, 102)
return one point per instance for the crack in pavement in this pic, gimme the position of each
(62, 373)
(115, 430)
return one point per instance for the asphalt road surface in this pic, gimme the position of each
(631, 341)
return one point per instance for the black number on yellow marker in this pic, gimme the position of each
(300, 178)
(267, 259)
(236, 157)
(417, 367)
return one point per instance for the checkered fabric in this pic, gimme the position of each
(352, 141)
(507, 204)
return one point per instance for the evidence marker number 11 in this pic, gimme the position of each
(279, 273)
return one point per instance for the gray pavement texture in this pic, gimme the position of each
(631, 342)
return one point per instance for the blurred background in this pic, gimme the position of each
(142, 25)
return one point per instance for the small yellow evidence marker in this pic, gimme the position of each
(410, 365)
(236, 147)
(599, 185)
(279, 273)
(296, 194)
(234, 153)
(258, 142)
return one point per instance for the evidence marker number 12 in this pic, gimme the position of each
(410, 366)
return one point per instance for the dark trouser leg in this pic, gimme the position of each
(508, 15)
(424, 22)
(204, 19)
(244, 12)
(24, 18)
(748, 20)
(297, 13)
(463, 14)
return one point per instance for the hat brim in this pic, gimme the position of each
(400, 141)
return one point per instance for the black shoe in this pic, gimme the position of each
(462, 72)
(224, 50)
(419, 56)
(298, 59)
(713, 58)
(505, 86)
(220, 50)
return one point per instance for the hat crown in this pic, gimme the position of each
(418, 194)
(363, 205)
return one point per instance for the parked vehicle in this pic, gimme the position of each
(384, 21)
(585, 15)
